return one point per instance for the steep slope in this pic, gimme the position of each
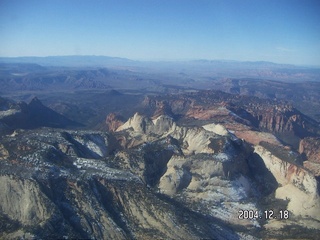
(113, 122)
(303, 95)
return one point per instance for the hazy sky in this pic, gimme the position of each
(283, 31)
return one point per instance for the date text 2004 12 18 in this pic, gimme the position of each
(267, 214)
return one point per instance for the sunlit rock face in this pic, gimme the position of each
(23, 201)
(207, 167)
(141, 129)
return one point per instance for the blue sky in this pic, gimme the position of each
(282, 31)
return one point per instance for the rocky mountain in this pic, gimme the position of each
(167, 150)
(196, 164)
(153, 177)
(283, 120)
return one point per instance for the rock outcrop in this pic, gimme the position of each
(163, 108)
(207, 165)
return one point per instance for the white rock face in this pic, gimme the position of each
(143, 125)
(23, 201)
(195, 140)
(173, 180)
(216, 128)
(203, 181)
(138, 123)
(94, 142)
(295, 183)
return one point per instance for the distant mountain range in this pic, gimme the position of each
(92, 60)
(69, 61)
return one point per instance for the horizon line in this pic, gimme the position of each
(163, 60)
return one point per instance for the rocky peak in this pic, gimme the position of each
(35, 102)
(138, 123)
(141, 129)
